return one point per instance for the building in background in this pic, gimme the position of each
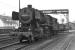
(7, 23)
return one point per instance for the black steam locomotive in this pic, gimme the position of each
(34, 24)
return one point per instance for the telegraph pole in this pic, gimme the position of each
(19, 5)
(19, 12)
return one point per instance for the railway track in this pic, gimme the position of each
(29, 45)
(3, 35)
(7, 38)
(67, 44)
(24, 46)
(1, 48)
(7, 42)
(15, 46)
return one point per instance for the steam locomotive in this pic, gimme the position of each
(34, 24)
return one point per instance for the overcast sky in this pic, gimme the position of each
(7, 6)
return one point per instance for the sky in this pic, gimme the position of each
(7, 6)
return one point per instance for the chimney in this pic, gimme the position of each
(29, 6)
